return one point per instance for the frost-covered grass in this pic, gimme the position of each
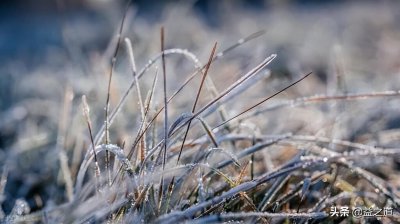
(273, 116)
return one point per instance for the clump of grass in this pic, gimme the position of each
(200, 168)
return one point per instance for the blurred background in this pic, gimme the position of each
(47, 46)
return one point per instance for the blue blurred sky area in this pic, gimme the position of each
(31, 28)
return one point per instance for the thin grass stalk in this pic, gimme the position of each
(165, 116)
(294, 139)
(61, 135)
(264, 100)
(254, 80)
(86, 111)
(251, 150)
(272, 191)
(197, 98)
(304, 189)
(142, 151)
(323, 98)
(140, 130)
(107, 108)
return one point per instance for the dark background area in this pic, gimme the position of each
(28, 28)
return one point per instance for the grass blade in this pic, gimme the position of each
(197, 98)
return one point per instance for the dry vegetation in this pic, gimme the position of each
(225, 124)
